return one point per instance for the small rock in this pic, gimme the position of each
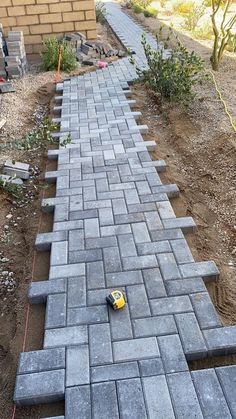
(9, 216)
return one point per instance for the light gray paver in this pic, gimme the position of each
(65, 336)
(128, 350)
(104, 401)
(158, 398)
(221, 341)
(227, 379)
(114, 372)
(78, 402)
(100, 344)
(77, 366)
(154, 326)
(43, 360)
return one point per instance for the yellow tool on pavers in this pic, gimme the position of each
(116, 299)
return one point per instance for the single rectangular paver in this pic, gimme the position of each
(78, 402)
(129, 350)
(104, 401)
(154, 326)
(100, 344)
(221, 340)
(43, 360)
(131, 400)
(191, 336)
(172, 354)
(65, 336)
(157, 397)
(227, 379)
(210, 394)
(77, 366)
(112, 372)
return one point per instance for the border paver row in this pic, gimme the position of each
(114, 227)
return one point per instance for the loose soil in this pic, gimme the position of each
(19, 224)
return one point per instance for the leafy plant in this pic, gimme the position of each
(150, 12)
(222, 31)
(12, 189)
(182, 7)
(101, 12)
(137, 8)
(193, 16)
(41, 136)
(172, 77)
(143, 3)
(50, 55)
(203, 32)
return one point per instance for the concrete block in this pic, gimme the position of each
(181, 251)
(95, 275)
(185, 223)
(43, 360)
(157, 397)
(41, 387)
(100, 344)
(153, 248)
(154, 326)
(59, 253)
(39, 290)
(104, 401)
(185, 286)
(17, 169)
(171, 305)
(134, 349)
(87, 315)
(154, 284)
(120, 324)
(112, 262)
(65, 336)
(113, 372)
(210, 394)
(221, 340)
(138, 301)
(227, 379)
(205, 311)
(191, 336)
(208, 270)
(139, 262)
(168, 266)
(78, 402)
(183, 395)
(77, 366)
(131, 400)
(56, 311)
(76, 292)
(140, 232)
(172, 354)
(67, 271)
(150, 367)
(119, 279)
(44, 240)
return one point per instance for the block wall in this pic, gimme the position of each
(43, 18)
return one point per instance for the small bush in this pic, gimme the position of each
(150, 12)
(137, 9)
(192, 17)
(143, 3)
(203, 32)
(50, 55)
(182, 7)
(174, 77)
(163, 3)
(231, 47)
(101, 12)
(15, 191)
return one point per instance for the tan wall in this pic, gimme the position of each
(43, 18)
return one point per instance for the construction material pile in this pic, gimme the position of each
(89, 52)
(13, 62)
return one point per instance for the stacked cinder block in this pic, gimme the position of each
(2, 56)
(16, 62)
(43, 18)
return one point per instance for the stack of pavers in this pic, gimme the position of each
(2, 55)
(16, 63)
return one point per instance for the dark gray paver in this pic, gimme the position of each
(43, 360)
(205, 310)
(131, 401)
(191, 336)
(210, 394)
(41, 387)
(128, 350)
(221, 341)
(183, 395)
(78, 402)
(227, 379)
(154, 326)
(172, 354)
(104, 401)
(100, 344)
(114, 372)
(150, 367)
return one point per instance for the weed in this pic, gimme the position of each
(41, 136)
(15, 191)
(150, 12)
(192, 17)
(203, 32)
(137, 9)
(174, 77)
(50, 55)
(101, 12)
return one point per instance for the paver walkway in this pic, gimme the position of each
(114, 227)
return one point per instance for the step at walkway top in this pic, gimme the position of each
(114, 228)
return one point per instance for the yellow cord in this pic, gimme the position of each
(224, 103)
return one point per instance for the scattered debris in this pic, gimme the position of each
(6, 88)
(89, 52)
(14, 168)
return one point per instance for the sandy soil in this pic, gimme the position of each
(19, 224)
(199, 146)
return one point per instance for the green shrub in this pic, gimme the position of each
(182, 7)
(192, 17)
(143, 3)
(173, 77)
(137, 8)
(150, 12)
(203, 32)
(50, 55)
(231, 47)
(101, 12)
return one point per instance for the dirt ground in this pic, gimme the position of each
(19, 223)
